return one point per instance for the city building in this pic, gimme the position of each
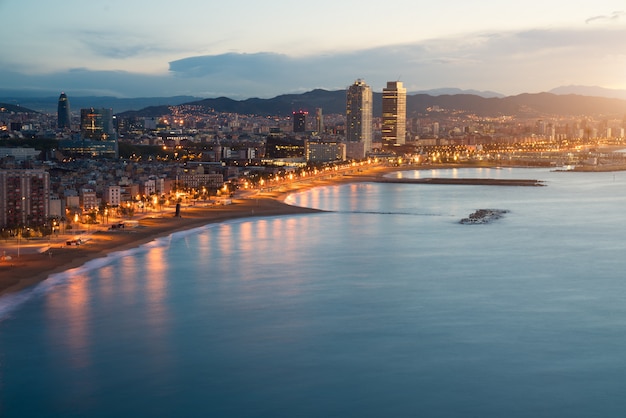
(96, 124)
(19, 154)
(64, 120)
(282, 150)
(299, 121)
(356, 150)
(88, 199)
(57, 207)
(97, 135)
(359, 108)
(325, 151)
(113, 196)
(24, 198)
(319, 121)
(394, 114)
(196, 181)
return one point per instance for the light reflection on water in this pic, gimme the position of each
(387, 306)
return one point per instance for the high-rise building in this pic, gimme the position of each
(96, 124)
(319, 121)
(24, 198)
(97, 135)
(394, 114)
(64, 120)
(359, 109)
(299, 121)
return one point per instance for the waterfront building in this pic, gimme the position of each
(394, 114)
(196, 181)
(355, 150)
(318, 151)
(113, 196)
(64, 120)
(282, 150)
(359, 109)
(24, 198)
(88, 199)
(57, 207)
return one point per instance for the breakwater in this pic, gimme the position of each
(464, 181)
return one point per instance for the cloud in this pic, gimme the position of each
(116, 45)
(232, 64)
(507, 62)
(613, 17)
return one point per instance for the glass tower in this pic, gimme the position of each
(96, 124)
(97, 135)
(63, 113)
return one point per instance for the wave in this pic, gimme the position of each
(10, 302)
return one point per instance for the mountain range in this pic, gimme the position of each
(562, 101)
(523, 105)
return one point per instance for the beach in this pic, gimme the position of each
(38, 261)
(34, 266)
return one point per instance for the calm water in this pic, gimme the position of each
(385, 307)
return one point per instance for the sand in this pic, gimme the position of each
(34, 264)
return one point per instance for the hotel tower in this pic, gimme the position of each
(394, 114)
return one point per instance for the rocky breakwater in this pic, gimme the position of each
(483, 216)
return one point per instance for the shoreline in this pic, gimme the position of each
(33, 267)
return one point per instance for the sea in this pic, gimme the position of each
(383, 305)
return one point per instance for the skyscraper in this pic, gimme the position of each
(97, 135)
(63, 113)
(96, 124)
(319, 121)
(359, 105)
(299, 121)
(394, 114)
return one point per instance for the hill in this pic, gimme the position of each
(454, 90)
(593, 91)
(49, 104)
(562, 101)
(523, 105)
(330, 101)
(11, 108)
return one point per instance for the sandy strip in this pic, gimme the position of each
(33, 267)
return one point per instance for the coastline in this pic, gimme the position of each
(33, 267)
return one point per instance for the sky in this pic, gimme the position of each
(251, 48)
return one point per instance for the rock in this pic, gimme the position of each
(483, 216)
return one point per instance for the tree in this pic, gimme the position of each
(103, 210)
(126, 211)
